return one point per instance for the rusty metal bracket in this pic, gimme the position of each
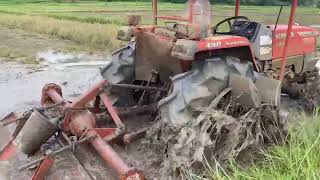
(132, 86)
(82, 123)
(153, 74)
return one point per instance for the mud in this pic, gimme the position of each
(75, 71)
(310, 94)
(213, 137)
(21, 86)
(21, 83)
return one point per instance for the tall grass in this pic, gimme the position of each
(298, 159)
(102, 36)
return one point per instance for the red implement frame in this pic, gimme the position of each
(81, 122)
(8, 152)
(42, 168)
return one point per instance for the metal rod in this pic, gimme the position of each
(128, 138)
(155, 11)
(111, 158)
(125, 112)
(113, 113)
(236, 11)
(190, 13)
(137, 110)
(178, 18)
(131, 86)
(294, 5)
(278, 18)
(89, 95)
(86, 139)
(153, 73)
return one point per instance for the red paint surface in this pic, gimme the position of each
(42, 168)
(236, 10)
(222, 42)
(8, 152)
(298, 44)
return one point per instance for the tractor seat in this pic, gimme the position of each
(180, 31)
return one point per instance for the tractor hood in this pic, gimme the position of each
(303, 40)
(221, 42)
(186, 49)
(297, 31)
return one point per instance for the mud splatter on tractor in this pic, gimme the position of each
(213, 94)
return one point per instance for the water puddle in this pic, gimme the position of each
(21, 84)
(62, 60)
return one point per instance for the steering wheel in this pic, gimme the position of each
(233, 29)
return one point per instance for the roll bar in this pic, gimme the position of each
(294, 4)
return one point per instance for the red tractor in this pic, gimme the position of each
(202, 56)
(176, 71)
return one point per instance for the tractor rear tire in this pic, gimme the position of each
(194, 90)
(120, 70)
(310, 93)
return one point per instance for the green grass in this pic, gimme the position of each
(298, 159)
(15, 56)
(100, 36)
(113, 14)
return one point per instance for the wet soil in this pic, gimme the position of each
(21, 83)
(75, 71)
(21, 86)
(63, 62)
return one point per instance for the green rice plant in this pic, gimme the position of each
(101, 36)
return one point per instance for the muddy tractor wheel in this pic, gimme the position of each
(194, 90)
(200, 118)
(303, 96)
(120, 70)
(310, 93)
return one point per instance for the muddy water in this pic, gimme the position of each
(21, 87)
(21, 84)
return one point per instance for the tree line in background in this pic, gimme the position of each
(259, 2)
(268, 2)
(244, 2)
(313, 3)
